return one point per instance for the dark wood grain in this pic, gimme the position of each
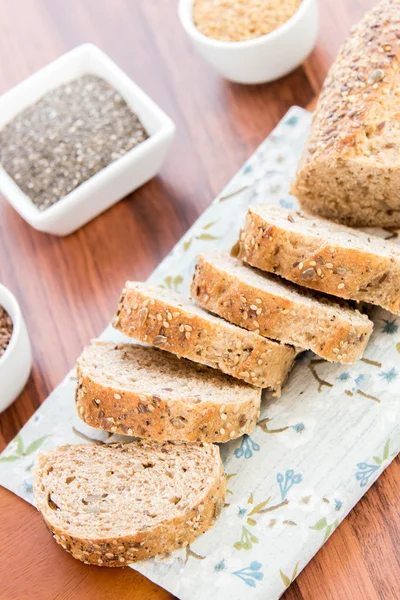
(68, 287)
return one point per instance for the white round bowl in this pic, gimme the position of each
(16, 362)
(261, 59)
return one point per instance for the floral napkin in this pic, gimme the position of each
(315, 451)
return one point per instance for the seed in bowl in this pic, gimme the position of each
(6, 329)
(239, 20)
(66, 137)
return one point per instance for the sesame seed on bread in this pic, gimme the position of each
(144, 392)
(282, 311)
(114, 504)
(322, 255)
(174, 323)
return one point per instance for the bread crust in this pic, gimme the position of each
(281, 317)
(163, 416)
(353, 273)
(350, 170)
(160, 539)
(240, 353)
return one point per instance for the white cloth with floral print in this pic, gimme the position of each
(315, 451)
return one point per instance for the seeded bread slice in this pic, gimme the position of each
(279, 309)
(115, 504)
(142, 391)
(174, 323)
(321, 255)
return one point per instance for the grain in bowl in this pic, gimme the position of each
(241, 20)
(6, 329)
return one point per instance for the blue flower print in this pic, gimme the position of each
(359, 380)
(337, 504)
(27, 485)
(344, 376)
(292, 121)
(299, 427)
(390, 327)
(241, 512)
(287, 482)
(365, 472)
(247, 447)
(390, 375)
(285, 203)
(220, 566)
(251, 574)
(347, 382)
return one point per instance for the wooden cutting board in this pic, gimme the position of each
(68, 288)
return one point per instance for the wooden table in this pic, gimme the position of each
(68, 287)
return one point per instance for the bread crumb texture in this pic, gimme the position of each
(114, 504)
(141, 391)
(349, 264)
(281, 310)
(172, 322)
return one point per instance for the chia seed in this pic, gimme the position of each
(6, 329)
(66, 137)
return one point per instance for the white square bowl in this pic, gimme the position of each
(120, 177)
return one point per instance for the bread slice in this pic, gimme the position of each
(144, 392)
(174, 323)
(321, 255)
(350, 169)
(114, 504)
(279, 309)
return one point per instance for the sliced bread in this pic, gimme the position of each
(322, 255)
(174, 323)
(144, 392)
(278, 309)
(114, 504)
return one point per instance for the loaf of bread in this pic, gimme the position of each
(278, 309)
(115, 504)
(174, 323)
(350, 170)
(322, 255)
(144, 392)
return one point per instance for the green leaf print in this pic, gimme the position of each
(377, 460)
(209, 225)
(173, 282)
(19, 450)
(207, 236)
(386, 450)
(398, 347)
(321, 524)
(246, 541)
(295, 571)
(187, 244)
(285, 579)
(259, 507)
(20, 445)
(9, 458)
(33, 446)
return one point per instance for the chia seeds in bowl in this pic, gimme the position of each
(6, 329)
(70, 134)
